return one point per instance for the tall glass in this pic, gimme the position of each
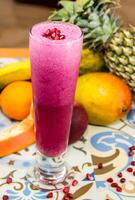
(54, 67)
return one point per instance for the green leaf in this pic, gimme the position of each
(68, 6)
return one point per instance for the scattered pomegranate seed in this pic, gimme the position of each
(75, 182)
(132, 148)
(88, 176)
(130, 153)
(57, 37)
(119, 174)
(66, 198)
(100, 166)
(53, 30)
(109, 180)
(122, 180)
(114, 185)
(119, 189)
(134, 173)
(133, 163)
(5, 197)
(66, 190)
(9, 180)
(70, 195)
(47, 33)
(50, 195)
(129, 169)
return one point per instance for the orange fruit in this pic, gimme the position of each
(105, 97)
(18, 136)
(16, 99)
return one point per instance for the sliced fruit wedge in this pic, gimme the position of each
(17, 136)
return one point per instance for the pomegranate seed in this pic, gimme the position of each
(133, 163)
(58, 32)
(134, 173)
(100, 166)
(47, 33)
(66, 190)
(53, 30)
(119, 189)
(74, 183)
(129, 169)
(66, 198)
(57, 37)
(109, 180)
(130, 153)
(5, 197)
(114, 185)
(122, 180)
(62, 37)
(88, 176)
(50, 195)
(132, 148)
(70, 195)
(9, 180)
(119, 175)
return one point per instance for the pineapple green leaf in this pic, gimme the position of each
(61, 15)
(84, 3)
(68, 6)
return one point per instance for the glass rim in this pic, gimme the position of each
(60, 42)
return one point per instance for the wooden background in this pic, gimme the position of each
(17, 18)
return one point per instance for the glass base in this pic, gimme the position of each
(49, 173)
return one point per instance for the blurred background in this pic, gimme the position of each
(17, 16)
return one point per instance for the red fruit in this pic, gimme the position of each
(130, 153)
(75, 182)
(109, 180)
(66, 190)
(119, 189)
(70, 195)
(9, 180)
(62, 37)
(88, 176)
(50, 195)
(132, 148)
(53, 30)
(47, 33)
(114, 185)
(5, 197)
(122, 180)
(119, 175)
(100, 166)
(134, 173)
(57, 37)
(129, 169)
(79, 123)
(66, 198)
(133, 163)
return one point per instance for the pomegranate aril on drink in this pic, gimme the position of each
(9, 180)
(133, 163)
(130, 153)
(75, 182)
(114, 185)
(122, 180)
(119, 189)
(129, 169)
(5, 197)
(47, 33)
(134, 173)
(62, 37)
(109, 180)
(88, 176)
(119, 174)
(50, 195)
(66, 190)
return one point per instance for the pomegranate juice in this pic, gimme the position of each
(55, 65)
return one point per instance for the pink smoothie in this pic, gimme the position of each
(55, 66)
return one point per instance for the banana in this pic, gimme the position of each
(16, 71)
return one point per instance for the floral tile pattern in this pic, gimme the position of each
(107, 145)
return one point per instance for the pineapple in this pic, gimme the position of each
(102, 31)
